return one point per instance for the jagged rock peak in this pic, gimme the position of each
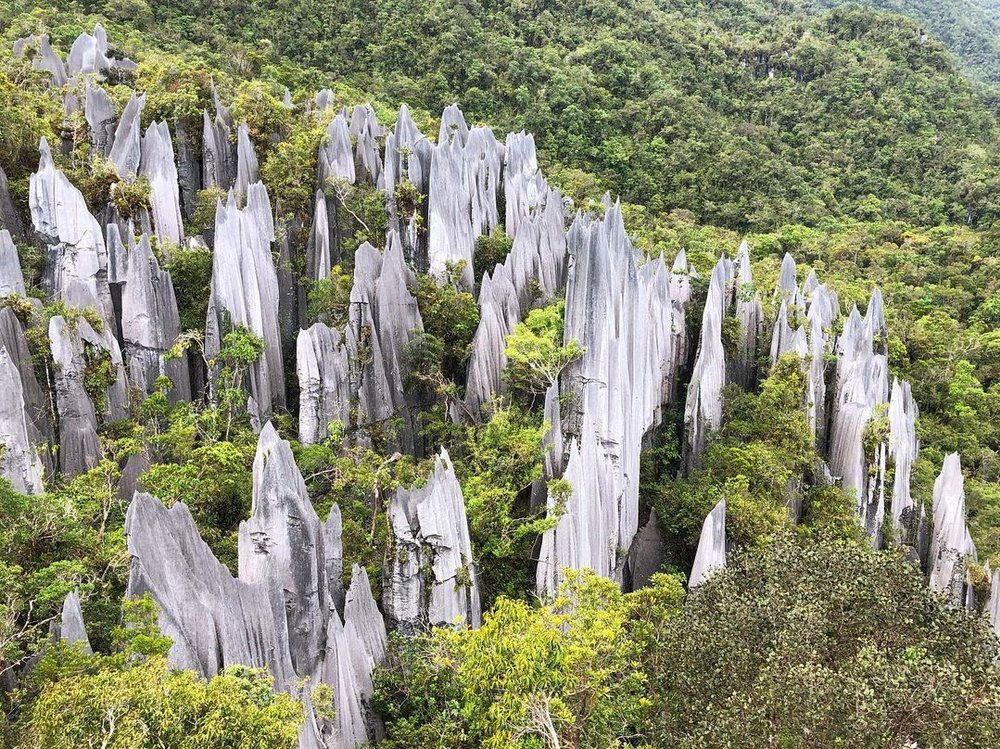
(77, 263)
(213, 619)
(245, 289)
(247, 169)
(430, 528)
(89, 54)
(751, 318)
(126, 151)
(787, 287)
(11, 278)
(70, 628)
(19, 460)
(45, 58)
(99, 111)
(336, 155)
(951, 545)
(703, 410)
(903, 447)
(322, 364)
(157, 164)
(281, 546)
(711, 554)
(453, 126)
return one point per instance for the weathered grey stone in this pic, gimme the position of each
(647, 553)
(69, 628)
(188, 169)
(36, 400)
(245, 290)
(951, 546)
(213, 619)
(823, 310)
(218, 155)
(524, 187)
(711, 554)
(751, 318)
(19, 460)
(622, 314)
(77, 254)
(430, 528)
(703, 410)
(367, 135)
(43, 57)
(151, 324)
(325, 395)
(336, 155)
(903, 447)
(408, 155)
(333, 554)
(499, 313)
(11, 279)
(89, 53)
(99, 111)
(451, 239)
(453, 126)
(247, 168)
(164, 194)
(281, 547)
(79, 446)
(318, 251)
(126, 150)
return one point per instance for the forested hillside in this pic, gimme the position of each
(539, 374)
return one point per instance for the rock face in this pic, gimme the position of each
(247, 168)
(76, 271)
(862, 387)
(11, 279)
(19, 460)
(10, 217)
(711, 554)
(75, 344)
(325, 394)
(99, 111)
(903, 447)
(383, 321)
(751, 318)
(951, 545)
(44, 57)
(126, 151)
(622, 314)
(703, 410)
(245, 290)
(823, 310)
(430, 528)
(70, 628)
(213, 619)
(36, 402)
(151, 324)
(158, 166)
(218, 156)
(281, 546)
(406, 175)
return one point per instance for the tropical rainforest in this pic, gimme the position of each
(333, 415)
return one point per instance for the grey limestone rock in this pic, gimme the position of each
(333, 555)
(711, 553)
(213, 619)
(325, 395)
(36, 401)
(406, 179)
(77, 258)
(126, 150)
(281, 547)
(524, 186)
(43, 57)
(74, 343)
(188, 169)
(247, 168)
(751, 319)
(218, 155)
(823, 310)
(621, 312)
(151, 324)
(158, 166)
(70, 628)
(99, 111)
(703, 410)
(430, 528)
(336, 154)
(647, 553)
(451, 239)
(245, 290)
(951, 546)
(318, 251)
(19, 460)
(903, 448)
(499, 313)
(11, 279)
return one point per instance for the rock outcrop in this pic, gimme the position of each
(325, 395)
(711, 554)
(19, 460)
(157, 164)
(951, 545)
(69, 628)
(430, 530)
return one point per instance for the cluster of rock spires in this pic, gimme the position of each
(287, 610)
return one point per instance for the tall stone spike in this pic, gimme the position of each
(951, 545)
(324, 382)
(19, 460)
(126, 151)
(281, 546)
(751, 319)
(157, 164)
(70, 628)
(11, 279)
(903, 448)
(711, 554)
(247, 169)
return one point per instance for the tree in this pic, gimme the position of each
(535, 352)
(822, 645)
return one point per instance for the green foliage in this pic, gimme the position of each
(535, 352)
(491, 249)
(191, 274)
(450, 315)
(822, 645)
(131, 699)
(330, 297)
